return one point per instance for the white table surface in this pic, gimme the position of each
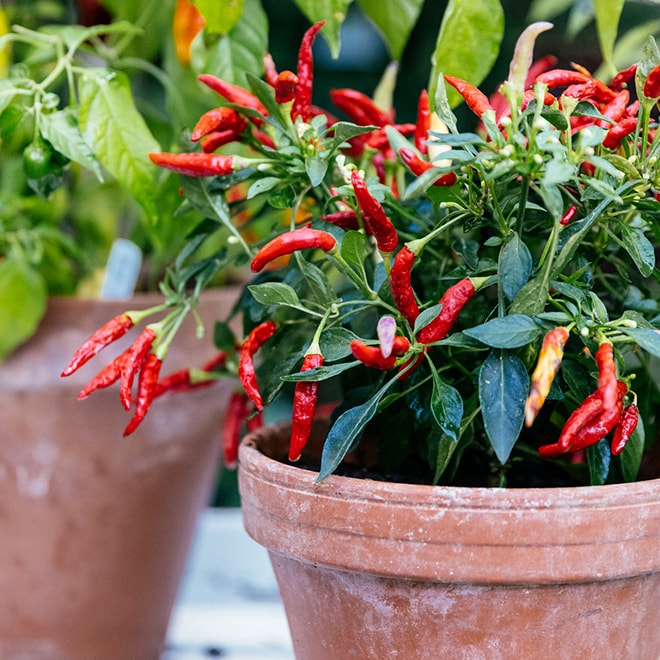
(228, 605)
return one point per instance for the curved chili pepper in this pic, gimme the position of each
(624, 429)
(547, 366)
(285, 86)
(607, 381)
(360, 108)
(372, 356)
(304, 406)
(195, 164)
(217, 139)
(423, 124)
(218, 119)
(614, 136)
(401, 285)
(616, 108)
(109, 332)
(474, 98)
(587, 411)
(622, 78)
(234, 94)
(180, 380)
(379, 139)
(452, 301)
(347, 219)
(236, 414)
(652, 83)
(303, 94)
(186, 25)
(109, 375)
(145, 391)
(138, 354)
(562, 78)
(568, 215)
(270, 71)
(418, 166)
(292, 241)
(374, 216)
(250, 346)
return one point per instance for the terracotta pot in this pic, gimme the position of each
(369, 569)
(94, 527)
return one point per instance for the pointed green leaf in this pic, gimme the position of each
(598, 461)
(220, 15)
(333, 12)
(354, 249)
(335, 343)
(515, 266)
(631, 456)
(639, 248)
(503, 389)
(608, 13)
(118, 135)
(510, 331)
(647, 338)
(275, 293)
(468, 42)
(446, 406)
(395, 19)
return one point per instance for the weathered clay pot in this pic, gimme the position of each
(369, 569)
(94, 527)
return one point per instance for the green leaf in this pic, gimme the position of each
(22, 301)
(346, 430)
(333, 12)
(316, 167)
(275, 293)
(515, 266)
(335, 343)
(446, 406)
(354, 249)
(532, 297)
(608, 13)
(444, 448)
(262, 185)
(61, 130)
(510, 331)
(220, 15)
(320, 373)
(639, 248)
(395, 19)
(468, 43)
(647, 338)
(598, 460)
(631, 456)
(117, 133)
(503, 388)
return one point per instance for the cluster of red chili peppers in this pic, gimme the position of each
(602, 412)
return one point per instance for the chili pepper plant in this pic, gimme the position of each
(480, 302)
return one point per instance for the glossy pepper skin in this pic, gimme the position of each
(569, 214)
(145, 392)
(109, 332)
(234, 94)
(237, 412)
(624, 428)
(452, 301)
(474, 98)
(218, 119)
(246, 372)
(285, 85)
(652, 83)
(138, 354)
(547, 366)
(418, 166)
(292, 241)
(423, 123)
(401, 285)
(372, 356)
(304, 406)
(109, 375)
(194, 164)
(374, 217)
(619, 131)
(302, 100)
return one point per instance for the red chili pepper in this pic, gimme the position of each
(624, 429)
(110, 374)
(616, 108)
(401, 286)
(568, 215)
(236, 414)
(138, 354)
(234, 94)
(374, 216)
(270, 71)
(475, 99)
(587, 411)
(652, 83)
(347, 220)
(303, 96)
(264, 138)
(538, 67)
(547, 366)
(285, 86)
(591, 90)
(607, 381)
(452, 301)
(181, 380)
(145, 392)
(112, 330)
(418, 166)
(614, 136)
(218, 119)
(186, 24)
(195, 164)
(217, 139)
(360, 108)
(304, 406)
(379, 139)
(621, 80)
(562, 78)
(292, 241)
(372, 356)
(423, 124)
(246, 373)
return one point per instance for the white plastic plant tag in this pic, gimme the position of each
(122, 270)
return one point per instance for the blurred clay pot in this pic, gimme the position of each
(372, 570)
(95, 528)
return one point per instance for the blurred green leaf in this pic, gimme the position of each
(220, 15)
(333, 12)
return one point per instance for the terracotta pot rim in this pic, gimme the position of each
(486, 497)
